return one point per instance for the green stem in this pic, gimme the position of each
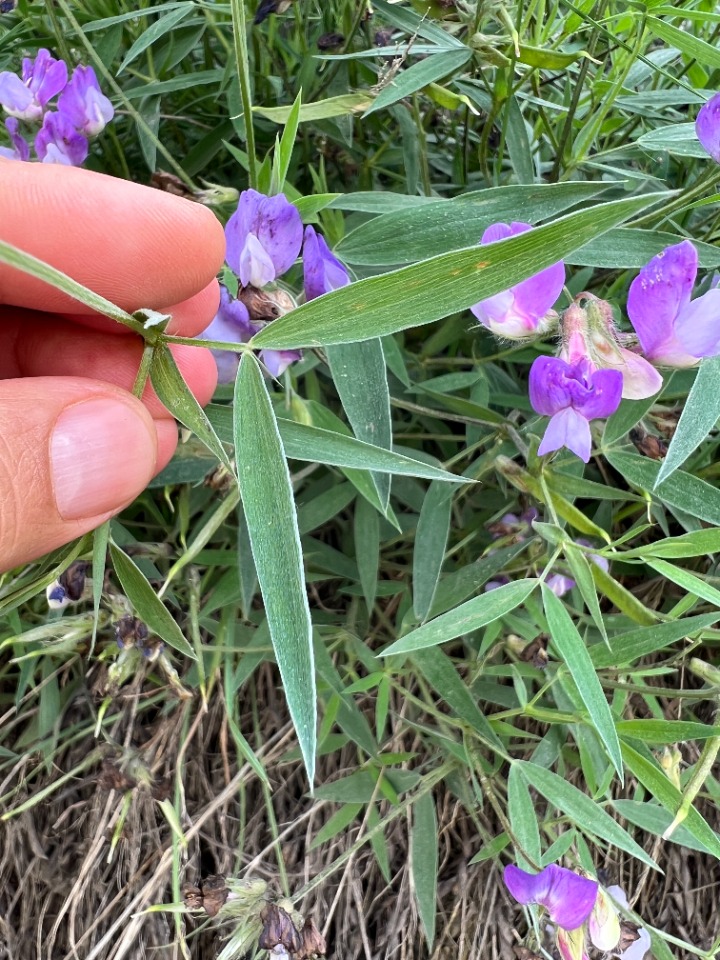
(695, 783)
(143, 373)
(241, 59)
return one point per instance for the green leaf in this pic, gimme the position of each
(431, 229)
(436, 288)
(341, 106)
(621, 596)
(464, 619)
(687, 42)
(440, 673)
(424, 862)
(656, 819)
(430, 542)
(693, 543)
(284, 148)
(584, 812)
(317, 445)
(580, 568)
(678, 139)
(700, 413)
(178, 398)
(269, 509)
(665, 731)
(574, 654)
(688, 581)
(629, 247)
(681, 490)
(154, 32)
(662, 789)
(367, 549)
(146, 603)
(419, 75)
(523, 819)
(630, 646)
(360, 376)
(61, 281)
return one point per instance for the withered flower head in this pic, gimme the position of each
(111, 777)
(313, 942)
(279, 930)
(130, 631)
(215, 893)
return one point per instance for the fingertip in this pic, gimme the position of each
(192, 316)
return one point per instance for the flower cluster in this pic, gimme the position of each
(577, 906)
(263, 240)
(60, 134)
(597, 365)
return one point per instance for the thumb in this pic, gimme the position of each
(72, 453)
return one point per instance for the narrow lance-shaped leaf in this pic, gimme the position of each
(360, 376)
(469, 616)
(178, 398)
(272, 526)
(436, 288)
(699, 415)
(424, 862)
(146, 603)
(573, 651)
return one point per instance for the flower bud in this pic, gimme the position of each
(604, 923)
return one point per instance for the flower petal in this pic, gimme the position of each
(698, 327)
(280, 231)
(659, 293)
(604, 923)
(604, 395)
(15, 97)
(239, 226)
(639, 378)
(570, 899)
(548, 385)
(322, 270)
(537, 295)
(527, 887)
(256, 265)
(559, 584)
(277, 361)
(567, 429)
(707, 127)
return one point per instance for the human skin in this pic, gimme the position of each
(75, 445)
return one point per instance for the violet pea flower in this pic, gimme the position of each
(263, 237)
(58, 141)
(526, 308)
(232, 324)
(673, 329)
(567, 897)
(42, 79)
(323, 271)
(572, 395)
(707, 126)
(20, 149)
(84, 104)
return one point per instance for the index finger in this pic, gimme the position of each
(134, 245)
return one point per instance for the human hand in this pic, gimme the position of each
(75, 445)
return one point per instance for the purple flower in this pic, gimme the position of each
(232, 324)
(323, 271)
(673, 329)
(20, 149)
(604, 923)
(42, 79)
(84, 104)
(567, 897)
(707, 126)
(526, 308)
(572, 394)
(559, 584)
(263, 237)
(58, 141)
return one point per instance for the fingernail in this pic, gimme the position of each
(101, 455)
